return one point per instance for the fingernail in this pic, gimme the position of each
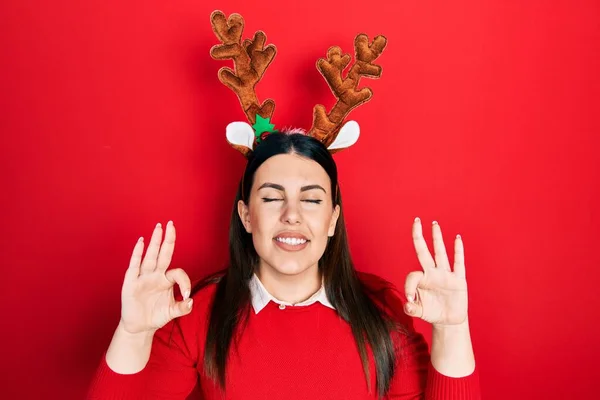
(458, 236)
(158, 225)
(410, 298)
(186, 294)
(434, 222)
(141, 239)
(169, 223)
(409, 309)
(190, 302)
(417, 219)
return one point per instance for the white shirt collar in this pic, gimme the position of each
(260, 297)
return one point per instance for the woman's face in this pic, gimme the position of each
(290, 213)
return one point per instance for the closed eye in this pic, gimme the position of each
(269, 200)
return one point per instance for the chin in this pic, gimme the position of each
(290, 267)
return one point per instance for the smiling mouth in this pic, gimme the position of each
(292, 241)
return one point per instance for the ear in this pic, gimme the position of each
(244, 214)
(346, 137)
(241, 136)
(333, 222)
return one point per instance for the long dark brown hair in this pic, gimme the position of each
(370, 325)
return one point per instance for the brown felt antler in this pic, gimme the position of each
(250, 58)
(326, 126)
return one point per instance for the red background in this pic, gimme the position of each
(486, 119)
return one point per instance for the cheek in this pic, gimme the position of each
(319, 228)
(263, 221)
(318, 223)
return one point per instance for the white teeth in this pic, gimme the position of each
(292, 241)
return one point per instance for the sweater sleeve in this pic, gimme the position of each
(171, 372)
(416, 378)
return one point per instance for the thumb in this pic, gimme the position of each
(181, 308)
(413, 309)
(411, 284)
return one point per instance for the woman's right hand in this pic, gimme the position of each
(147, 300)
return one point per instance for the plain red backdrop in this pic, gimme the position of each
(486, 119)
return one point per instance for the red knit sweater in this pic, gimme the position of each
(298, 353)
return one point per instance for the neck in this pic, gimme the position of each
(290, 288)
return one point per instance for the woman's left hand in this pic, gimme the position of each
(438, 294)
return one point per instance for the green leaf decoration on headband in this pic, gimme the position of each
(261, 126)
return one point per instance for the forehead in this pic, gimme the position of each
(291, 170)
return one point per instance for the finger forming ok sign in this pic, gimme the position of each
(438, 293)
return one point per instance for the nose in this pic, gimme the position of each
(291, 214)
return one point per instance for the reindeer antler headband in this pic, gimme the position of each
(251, 58)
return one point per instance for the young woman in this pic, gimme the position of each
(290, 318)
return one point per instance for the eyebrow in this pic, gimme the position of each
(281, 188)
